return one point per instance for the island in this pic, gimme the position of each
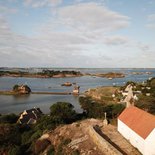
(45, 73)
(110, 75)
(17, 90)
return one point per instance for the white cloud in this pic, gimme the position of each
(80, 35)
(91, 17)
(116, 40)
(42, 3)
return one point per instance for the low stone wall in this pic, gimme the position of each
(103, 144)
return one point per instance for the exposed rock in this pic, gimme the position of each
(21, 89)
(110, 75)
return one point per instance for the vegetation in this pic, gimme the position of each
(94, 109)
(146, 97)
(26, 136)
(44, 73)
(63, 112)
(15, 138)
(111, 75)
(23, 139)
(11, 118)
(51, 73)
(21, 89)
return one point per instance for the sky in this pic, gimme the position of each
(77, 33)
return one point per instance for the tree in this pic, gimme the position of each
(15, 88)
(63, 112)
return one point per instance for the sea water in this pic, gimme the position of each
(11, 104)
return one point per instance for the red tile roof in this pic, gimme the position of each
(138, 120)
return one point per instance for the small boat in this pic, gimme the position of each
(110, 78)
(68, 84)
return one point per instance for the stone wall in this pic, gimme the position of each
(103, 144)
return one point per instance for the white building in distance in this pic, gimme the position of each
(138, 127)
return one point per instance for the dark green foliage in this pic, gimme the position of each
(11, 118)
(51, 73)
(15, 150)
(97, 110)
(9, 134)
(15, 88)
(26, 137)
(36, 135)
(16, 138)
(152, 82)
(117, 109)
(146, 103)
(63, 112)
(45, 123)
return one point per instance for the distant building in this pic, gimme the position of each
(76, 90)
(129, 97)
(138, 127)
(21, 89)
(30, 116)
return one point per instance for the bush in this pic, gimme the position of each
(11, 118)
(9, 135)
(63, 112)
(97, 110)
(15, 151)
(15, 88)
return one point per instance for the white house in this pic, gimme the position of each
(138, 127)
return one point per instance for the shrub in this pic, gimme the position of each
(15, 151)
(11, 118)
(63, 112)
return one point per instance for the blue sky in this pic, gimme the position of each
(77, 33)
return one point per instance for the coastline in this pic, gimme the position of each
(40, 76)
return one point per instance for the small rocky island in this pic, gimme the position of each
(110, 75)
(17, 90)
(21, 89)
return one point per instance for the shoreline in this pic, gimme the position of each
(41, 76)
(39, 93)
(101, 75)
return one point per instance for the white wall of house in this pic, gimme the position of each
(133, 137)
(150, 144)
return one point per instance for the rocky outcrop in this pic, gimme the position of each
(110, 75)
(103, 94)
(21, 89)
